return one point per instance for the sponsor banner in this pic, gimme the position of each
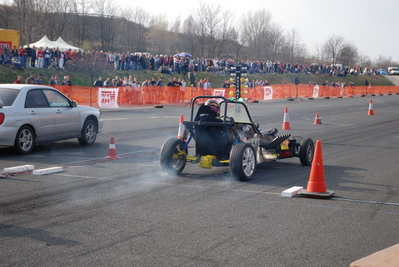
(3, 44)
(316, 90)
(108, 97)
(268, 93)
(219, 92)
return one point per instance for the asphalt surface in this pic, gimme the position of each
(127, 212)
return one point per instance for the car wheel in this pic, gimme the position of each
(89, 133)
(243, 161)
(306, 152)
(171, 161)
(25, 140)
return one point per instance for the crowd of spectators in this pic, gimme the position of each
(44, 57)
(27, 57)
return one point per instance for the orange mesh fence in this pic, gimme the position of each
(173, 95)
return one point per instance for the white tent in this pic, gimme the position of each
(63, 45)
(44, 42)
(60, 43)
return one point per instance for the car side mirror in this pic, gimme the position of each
(74, 103)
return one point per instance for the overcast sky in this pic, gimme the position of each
(372, 26)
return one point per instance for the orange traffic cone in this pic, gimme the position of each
(316, 185)
(180, 132)
(317, 119)
(286, 122)
(112, 150)
(371, 110)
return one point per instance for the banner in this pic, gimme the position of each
(219, 92)
(268, 93)
(107, 97)
(316, 91)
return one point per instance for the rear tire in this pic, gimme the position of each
(25, 140)
(243, 162)
(89, 133)
(172, 163)
(306, 152)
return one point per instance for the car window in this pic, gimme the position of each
(56, 99)
(35, 99)
(8, 96)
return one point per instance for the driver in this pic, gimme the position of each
(213, 116)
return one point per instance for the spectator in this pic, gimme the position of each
(67, 80)
(7, 52)
(108, 82)
(33, 57)
(31, 79)
(99, 82)
(14, 52)
(39, 79)
(160, 82)
(23, 53)
(40, 58)
(52, 80)
(18, 80)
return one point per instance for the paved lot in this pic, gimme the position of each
(127, 212)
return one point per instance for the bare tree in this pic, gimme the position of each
(139, 28)
(107, 13)
(348, 55)
(274, 40)
(254, 29)
(236, 47)
(225, 35)
(318, 54)
(209, 28)
(163, 37)
(332, 47)
(25, 15)
(6, 14)
(364, 61)
(292, 46)
(80, 9)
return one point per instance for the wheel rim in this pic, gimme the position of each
(176, 162)
(90, 132)
(248, 161)
(25, 140)
(310, 152)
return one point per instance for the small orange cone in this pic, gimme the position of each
(371, 110)
(317, 119)
(286, 122)
(112, 150)
(180, 132)
(316, 185)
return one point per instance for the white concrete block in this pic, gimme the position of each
(290, 192)
(48, 170)
(17, 169)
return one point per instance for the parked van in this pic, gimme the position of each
(393, 71)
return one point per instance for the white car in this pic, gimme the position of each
(393, 71)
(33, 114)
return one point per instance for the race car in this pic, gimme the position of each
(226, 135)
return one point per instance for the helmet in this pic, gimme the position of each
(214, 105)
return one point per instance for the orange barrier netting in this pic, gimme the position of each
(173, 95)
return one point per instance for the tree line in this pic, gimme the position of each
(209, 31)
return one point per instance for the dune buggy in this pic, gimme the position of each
(235, 141)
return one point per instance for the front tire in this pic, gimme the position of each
(306, 152)
(243, 161)
(25, 140)
(89, 133)
(171, 161)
